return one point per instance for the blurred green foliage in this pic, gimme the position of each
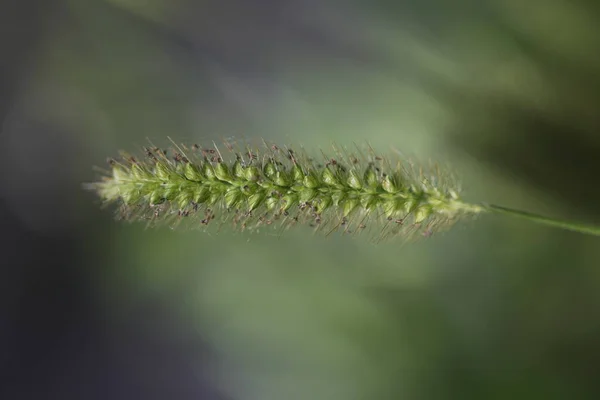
(505, 91)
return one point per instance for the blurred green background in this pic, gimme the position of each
(505, 91)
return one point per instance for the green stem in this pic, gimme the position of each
(569, 225)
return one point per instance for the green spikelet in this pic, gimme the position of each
(277, 188)
(274, 186)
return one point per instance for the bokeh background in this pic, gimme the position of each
(506, 91)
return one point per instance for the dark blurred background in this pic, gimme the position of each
(505, 91)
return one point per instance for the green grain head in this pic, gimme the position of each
(278, 187)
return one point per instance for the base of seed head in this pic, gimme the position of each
(254, 187)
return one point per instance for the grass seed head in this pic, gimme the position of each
(268, 186)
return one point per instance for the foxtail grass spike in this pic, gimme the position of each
(273, 187)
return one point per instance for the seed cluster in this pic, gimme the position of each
(251, 188)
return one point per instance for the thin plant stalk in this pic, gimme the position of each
(557, 223)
